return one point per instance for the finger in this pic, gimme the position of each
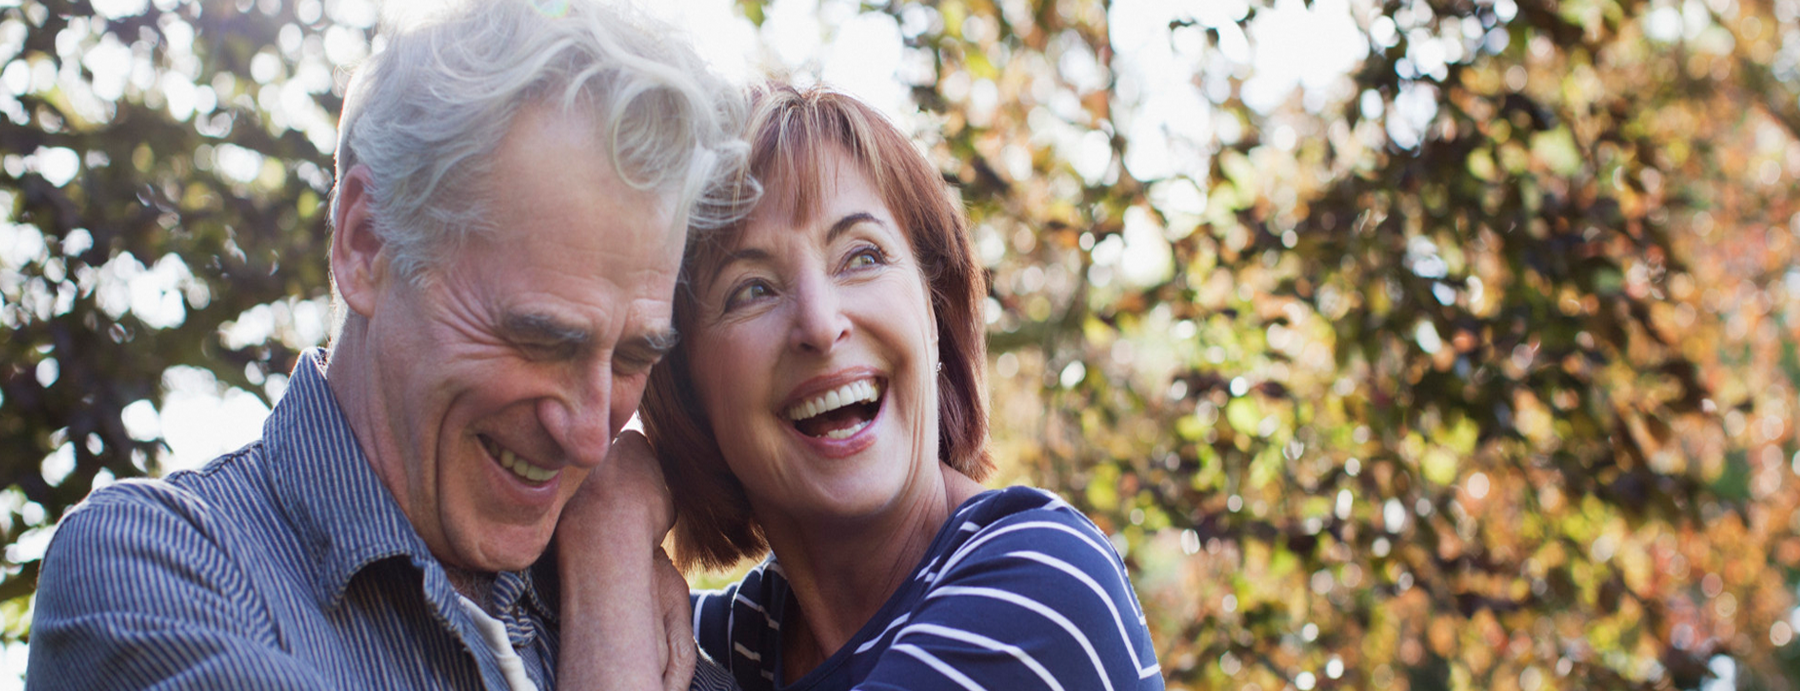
(677, 615)
(682, 658)
(632, 455)
(633, 440)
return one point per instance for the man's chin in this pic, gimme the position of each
(514, 554)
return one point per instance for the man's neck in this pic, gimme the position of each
(352, 374)
(478, 586)
(349, 373)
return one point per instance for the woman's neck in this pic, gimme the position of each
(841, 575)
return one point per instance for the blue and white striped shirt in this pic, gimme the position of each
(1017, 591)
(286, 564)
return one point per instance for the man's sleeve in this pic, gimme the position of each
(709, 676)
(1037, 600)
(137, 592)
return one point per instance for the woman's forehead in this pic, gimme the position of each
(798, 184)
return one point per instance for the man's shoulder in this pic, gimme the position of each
(152, 578)
(203, 490)
(206, 500)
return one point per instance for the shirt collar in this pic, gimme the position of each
(343, 516)
(346, 519)
(525, 597)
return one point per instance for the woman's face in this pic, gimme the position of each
(813, 349)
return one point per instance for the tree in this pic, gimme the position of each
(1449, 380)
(164, 175)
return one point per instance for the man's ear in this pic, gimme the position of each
(359, 263)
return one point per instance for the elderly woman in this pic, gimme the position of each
(825, 406)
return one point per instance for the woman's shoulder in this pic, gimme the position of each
(737, 625)
(1030, 576)
(1023, 526)
(1009, 499)
(1020, 508)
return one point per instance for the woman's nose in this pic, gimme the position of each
(819, 320)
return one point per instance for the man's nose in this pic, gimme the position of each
(580, 420)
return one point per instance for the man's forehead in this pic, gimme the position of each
(557, 296)
(565, 147)
(572, 246)
(654, 313)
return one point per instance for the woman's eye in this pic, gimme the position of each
(747, 293)
(866, 257)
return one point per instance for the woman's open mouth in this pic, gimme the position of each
(840, 412)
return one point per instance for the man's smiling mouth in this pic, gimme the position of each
(512, 462)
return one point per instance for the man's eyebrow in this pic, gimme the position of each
(544, 330)
(651, 346)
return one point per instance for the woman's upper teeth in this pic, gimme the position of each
(852, 393)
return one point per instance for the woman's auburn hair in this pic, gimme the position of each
(792, 132)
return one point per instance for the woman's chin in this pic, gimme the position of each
(839, 506)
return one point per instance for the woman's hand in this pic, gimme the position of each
(625, 492)
(626, 615)
(677, 611)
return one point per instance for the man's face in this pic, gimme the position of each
(504, 375)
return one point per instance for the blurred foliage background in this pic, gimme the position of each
(1437, 344)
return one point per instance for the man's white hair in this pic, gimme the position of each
(427, 114)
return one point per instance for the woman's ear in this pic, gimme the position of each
(358, 263)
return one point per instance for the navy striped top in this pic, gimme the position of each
(285, 564)
(1017, 591)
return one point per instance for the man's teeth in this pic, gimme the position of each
(510, 461)
(863, 391)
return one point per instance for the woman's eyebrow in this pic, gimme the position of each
(760, 255)
(847, 222)
(744, 254)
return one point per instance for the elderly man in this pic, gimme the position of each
(513, 189)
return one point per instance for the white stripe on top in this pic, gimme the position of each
(938, 665)
(985, 642)
(1087, 580)
(877, 639)
(1107, 554)
(1035, 606)
(699, 602)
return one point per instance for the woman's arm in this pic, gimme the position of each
(625, 611)
(1036, 599)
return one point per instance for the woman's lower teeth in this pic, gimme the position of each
(845, 432)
